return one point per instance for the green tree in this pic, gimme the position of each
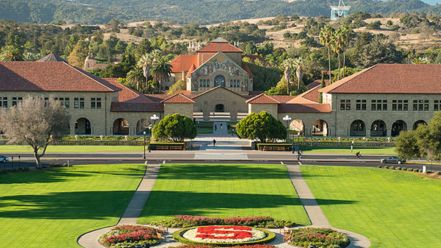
(135, 77)
(78, 54)
(180, 85)
(407, 145)
(261, 126)
(175, 127)
(10, 53)
(326, 39)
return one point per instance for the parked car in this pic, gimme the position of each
(393, 160)
(4, 159)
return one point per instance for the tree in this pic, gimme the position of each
(34, 122)
(407, 145)
(78, 54)
(425, 141)
(326, 36)
(261, 126)
(10, 53)
(180, 85)
(135, 77)
(175, 127)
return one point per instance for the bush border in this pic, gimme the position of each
(178, 236)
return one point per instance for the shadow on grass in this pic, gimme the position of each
(221, 172)
(170, 203)
(53, 175)
(66, 205)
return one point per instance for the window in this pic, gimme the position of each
(204, 83)
(345, 104)
(379, 105)
(361, 105)
(420, 105)
(437, 105)
(65, 101)
(400, 105)
(79, 102)
(235, 83)
(3, 102)
(16, 100)
(95, 103)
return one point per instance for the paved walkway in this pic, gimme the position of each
(313, 210)
(133, 210)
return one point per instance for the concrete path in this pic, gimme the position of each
(132, 212)
(313, 210)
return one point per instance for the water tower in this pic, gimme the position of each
(339, 11)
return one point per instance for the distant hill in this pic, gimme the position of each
(188, 11)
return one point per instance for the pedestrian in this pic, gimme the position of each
(358, 155)
(293, 148)
(214, 142)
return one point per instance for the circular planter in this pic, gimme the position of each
(223, 235)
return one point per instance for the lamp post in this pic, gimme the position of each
(145, 142)
(287, 118)
(153, 118)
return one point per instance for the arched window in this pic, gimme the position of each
(378, 129)
(358, 129)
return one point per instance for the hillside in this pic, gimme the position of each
(188, 11)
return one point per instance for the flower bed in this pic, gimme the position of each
(256, 221)
(131, 237)
(319, 237)
(237, 246)
(223, 235)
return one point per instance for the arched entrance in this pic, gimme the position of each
(83, 127)
(378, 129)
(141, 126)
(418, 123)
(220, 108)
(219, 80)
(120, 127)
(298, 127)
(397, 127)
(358, 129)
(320, 128)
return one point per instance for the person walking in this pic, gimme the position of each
(214, 142)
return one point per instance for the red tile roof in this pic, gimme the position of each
(262, 99)
(214, 89)
(183, 63)
(219, 46)
(283, 98)
(131, 101)
(391, 79)
(304, 108)
(49, 76)
(178, 99)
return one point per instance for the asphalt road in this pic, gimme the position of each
(208, 157)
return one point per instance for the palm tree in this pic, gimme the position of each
(288, 65)
(326, 36)
(345, 32)
(337, 47)
(135, 76)
(298, 62)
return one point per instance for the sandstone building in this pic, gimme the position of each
(379, 101)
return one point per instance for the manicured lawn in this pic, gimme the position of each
(391, 208)
(347, 151)
(52, 208)
(71, 149)
(223, 190)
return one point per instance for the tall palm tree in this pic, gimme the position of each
(345, 32)
(288, 66)
(337, 47)
(135, 76)
(326, 36)
(298, 62)
(161, 70)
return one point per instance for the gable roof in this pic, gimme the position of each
(391, 79)
(214, 89)
(184, 62)
(262, 99)
(49, 76)
(304, 108)
(132, 101)
(178, 99)
(219, 45)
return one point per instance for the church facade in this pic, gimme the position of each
(380, 101)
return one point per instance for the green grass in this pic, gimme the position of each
(347, 151)
(52, 208)
(71, 149)
(223, 190)
(391, 208)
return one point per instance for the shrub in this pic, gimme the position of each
(255, 221)
(317, 237)
(131, 237)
